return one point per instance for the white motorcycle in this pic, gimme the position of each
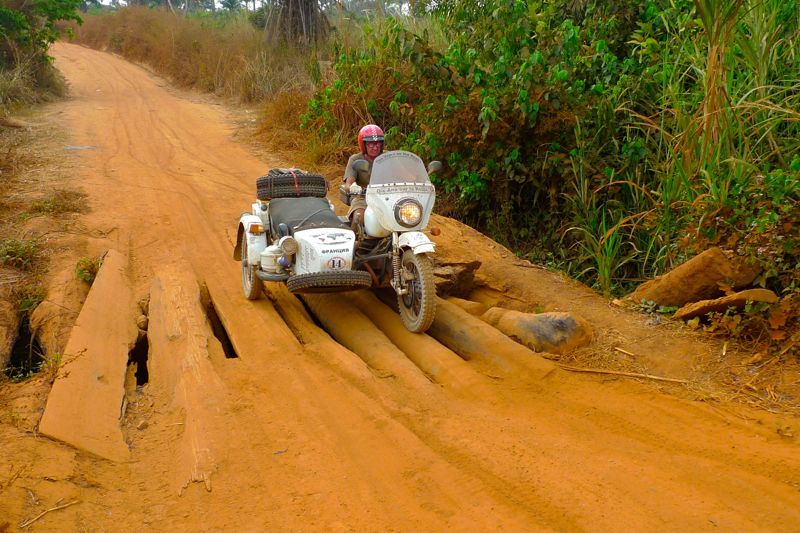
(293, 236)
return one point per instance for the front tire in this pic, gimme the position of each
(251, 285)
(418, 305)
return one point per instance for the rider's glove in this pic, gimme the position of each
(355, 188)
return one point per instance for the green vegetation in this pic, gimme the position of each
(19, 253)
(30, 296)
(27, 29)
(609, 139)
(86, 269)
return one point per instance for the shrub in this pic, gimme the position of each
(86, 269)
(28, 29)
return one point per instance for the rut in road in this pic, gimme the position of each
(355, 426)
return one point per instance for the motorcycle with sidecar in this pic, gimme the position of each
(293, 236)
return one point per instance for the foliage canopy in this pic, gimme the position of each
(27, 28)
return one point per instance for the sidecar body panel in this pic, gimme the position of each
(324, 249)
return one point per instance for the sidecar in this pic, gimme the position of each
(292, 235)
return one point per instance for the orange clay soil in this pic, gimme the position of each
(340, 421)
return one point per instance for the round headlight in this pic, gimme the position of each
(408, 212)
(288, 245)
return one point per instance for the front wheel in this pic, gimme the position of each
(251, 285)
(418, 305)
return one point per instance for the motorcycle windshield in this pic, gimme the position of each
(398, 166)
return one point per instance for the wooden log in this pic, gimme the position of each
(738, 300)
(313, 338)
(697, 279)
(354, 330)
(478, 342)
(437, 361)
(182, 374)
(85, 404)
(473, 308)
(555, 333)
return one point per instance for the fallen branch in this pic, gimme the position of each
(57, 508)
(616, 373)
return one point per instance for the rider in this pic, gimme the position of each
(370, 142)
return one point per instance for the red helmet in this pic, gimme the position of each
(369, 133)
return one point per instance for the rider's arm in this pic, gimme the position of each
(349, 171)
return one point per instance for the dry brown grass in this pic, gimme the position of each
(28, 82)
(13, 156)
(279, 132)
(58, 201)
(278, 121)
(226, 56)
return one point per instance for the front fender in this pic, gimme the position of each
(256, 243)
(417, 241)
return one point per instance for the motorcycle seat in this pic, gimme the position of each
(302, 213)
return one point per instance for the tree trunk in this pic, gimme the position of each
(298, 21)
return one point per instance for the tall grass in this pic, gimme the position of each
(719, 19)
(716, 121)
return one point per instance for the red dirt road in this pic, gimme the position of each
(299, 433)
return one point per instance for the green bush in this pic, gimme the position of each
(86, 269)
(28, 29)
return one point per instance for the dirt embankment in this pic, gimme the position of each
(261, 416)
